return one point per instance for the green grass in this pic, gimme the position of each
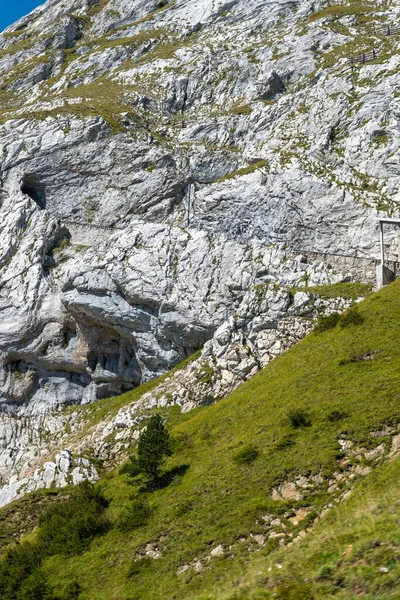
(96, 8)
(19, 45)
(366, 14)
(135, 41)
(154, 13)
(240, 109)
(350, 291)
(220, 499)
(353, 8)
(63, 245)
(345, 553)
(102, 97)
(260, 164)
(20, 517)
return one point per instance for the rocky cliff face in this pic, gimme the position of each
(268, 321)
(153, 155)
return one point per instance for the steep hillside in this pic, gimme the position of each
(352, 553)
(289, 458)
(149, 153)
(192, 185)
(45, 450)
(163, 166)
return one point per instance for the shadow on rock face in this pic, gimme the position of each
(32, 187)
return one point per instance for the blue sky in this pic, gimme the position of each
(13, 10)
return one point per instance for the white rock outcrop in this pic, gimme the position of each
(168, 172)
(130, 229)
(65, 470)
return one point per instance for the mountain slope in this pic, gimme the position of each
(219, 510)
(184, 175)
(149, 150)
(353, 552)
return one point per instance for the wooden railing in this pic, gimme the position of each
(364, 57)
(389, 29)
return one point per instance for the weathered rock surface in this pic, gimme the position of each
(65, 470)
(159, 163)
(127, 119)
(267, 322)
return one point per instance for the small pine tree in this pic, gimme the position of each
(153, 445)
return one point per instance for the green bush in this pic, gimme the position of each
(351, 317)
(328, 322)
(65, 528)
(299, 418)
(245, 455)
(71, 591)
(35, 587)
(336, 415)
(17, 566)
(131, 468)
(69, 527)
(134, 516)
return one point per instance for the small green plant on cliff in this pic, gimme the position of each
(62, 246)
(240, 109)
(260, 164)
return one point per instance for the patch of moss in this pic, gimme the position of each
(260, 164)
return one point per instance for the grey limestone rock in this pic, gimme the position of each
(65, 470)
(162, 165)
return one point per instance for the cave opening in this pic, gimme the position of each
(31, 186)
(20, 367)
(69, 333)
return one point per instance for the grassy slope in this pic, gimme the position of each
(106, 409)
(353, 552)
(19, 518)
(219, 502)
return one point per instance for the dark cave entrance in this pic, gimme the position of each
(32, 187)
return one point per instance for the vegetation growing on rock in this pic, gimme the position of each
(299, 475)
(217, 169)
